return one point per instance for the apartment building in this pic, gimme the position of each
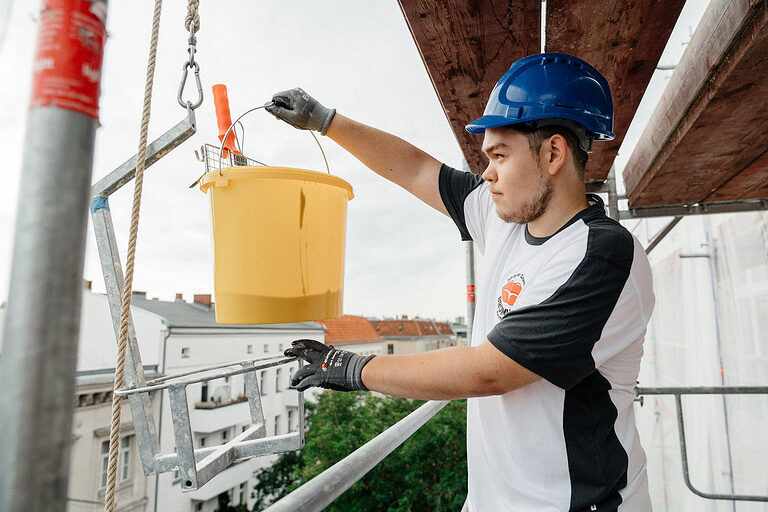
(174, 337)
(409, 336)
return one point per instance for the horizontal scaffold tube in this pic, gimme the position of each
(320, 492)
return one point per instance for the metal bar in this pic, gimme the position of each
(182, 431)
(254, 399)
(243, 450)
(613, 202)
(141, 406)
(745, 205)
(658, 237)
(686, 475)
(237, 371)
(213, 464)
(160, 147)
(42, 321)
(469, 251)
(210, 368)
(39, 361)
(704, 390)
(331, 483)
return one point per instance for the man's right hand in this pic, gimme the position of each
(301, 110)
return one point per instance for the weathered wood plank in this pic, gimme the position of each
(751, 183)
(712, 121)
(623, 39)
(466, 46)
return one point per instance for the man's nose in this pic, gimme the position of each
(489, 174)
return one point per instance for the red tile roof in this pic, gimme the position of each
(406, 327)
(444, 328)
(350, 329)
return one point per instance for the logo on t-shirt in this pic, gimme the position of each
(509, 294)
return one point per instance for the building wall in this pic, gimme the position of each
(185, 350)
(98, 346)
(90, 430)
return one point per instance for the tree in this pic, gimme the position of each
(427, 472)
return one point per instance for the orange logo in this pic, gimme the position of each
(510, 292)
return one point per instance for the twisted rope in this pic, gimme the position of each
(192, 15)
(125, 310)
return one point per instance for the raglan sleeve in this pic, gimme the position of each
(464, 196)
(555, 337)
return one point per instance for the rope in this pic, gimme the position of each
(114, 434)
(192, 15)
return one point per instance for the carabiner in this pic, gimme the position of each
(185, 70)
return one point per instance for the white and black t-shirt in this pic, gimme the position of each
(573, 308)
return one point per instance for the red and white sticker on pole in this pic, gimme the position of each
(70, 44)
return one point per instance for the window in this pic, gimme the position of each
(291, 417)
(250, 349)
(278, 374)
(125, 458)
(224, 435)
(242, 492)
(263, 384)
(104, 464)
(204, 392)
(184, 352)
(280, 348)
(390, 348)
(199, 507)
(226, 379)
(278, 419)
(202, 442)
(266, 348)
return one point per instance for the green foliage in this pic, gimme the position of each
(427, 472)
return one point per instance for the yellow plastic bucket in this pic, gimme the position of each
(278, 238)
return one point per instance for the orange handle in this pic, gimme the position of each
(223, 118)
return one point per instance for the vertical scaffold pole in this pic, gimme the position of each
(469, 258)
(39, 358)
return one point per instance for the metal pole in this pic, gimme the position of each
(469, 257)
(469, 251)
(38, 365)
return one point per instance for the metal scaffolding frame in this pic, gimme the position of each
(196, 466)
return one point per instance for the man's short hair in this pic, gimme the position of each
(537, 136)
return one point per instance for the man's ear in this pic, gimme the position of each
(553, 154)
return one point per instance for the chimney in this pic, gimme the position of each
(179, 297)
(87, 284)
(203, 299)
(405, 317)
(140, 294)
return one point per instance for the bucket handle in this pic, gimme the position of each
(221, 152)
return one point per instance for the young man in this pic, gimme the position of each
(562, 309)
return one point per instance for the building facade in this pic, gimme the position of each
(174, 337)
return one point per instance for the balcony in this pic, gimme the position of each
(208, 417)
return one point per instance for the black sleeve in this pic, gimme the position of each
(455, 186)
(554, 339)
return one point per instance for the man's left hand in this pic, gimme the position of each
(328, 367)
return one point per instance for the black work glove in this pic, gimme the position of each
(328, 367)
(301, 110)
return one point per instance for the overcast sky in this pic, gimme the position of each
(358, 57)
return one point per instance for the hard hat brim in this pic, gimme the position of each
(479, 125)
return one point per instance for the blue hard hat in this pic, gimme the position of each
(551, 89)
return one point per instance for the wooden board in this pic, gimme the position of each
(711, 124)
(623, 39)
(466, 47)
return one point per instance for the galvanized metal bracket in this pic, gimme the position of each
(196, 466)
(677, 392)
